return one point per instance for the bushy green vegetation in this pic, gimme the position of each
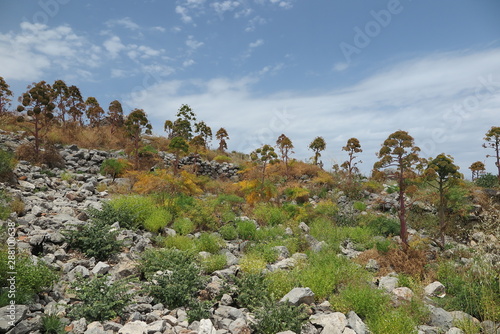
(52, 324)
(173, 275)
(31, 278)
(475, 289)
(7, 164)
(99, 299)
(95, 239)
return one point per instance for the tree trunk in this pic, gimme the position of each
(442, 223)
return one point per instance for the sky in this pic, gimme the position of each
(260, 68)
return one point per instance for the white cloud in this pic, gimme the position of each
(224, 6)
(192, 43)
(445, 101)
(125, 22)
(256, 44)
(28, 54)
(339, 67)
(254, 22)
(114, 46)
(160, 29)
(183, 12)
(284, 4)
(188, 62)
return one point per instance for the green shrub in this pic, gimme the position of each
(95, 239)
(109, 215)
(392, 321)
(384, 226)
(252, 290)
(365, 300)
(246, 229)
(180, 242)
(269, 215)
(113, 167)
(158, 219)
(360, 206)
(198, 309)
(487, 180)
(100, 300)
(213, 263)
(183, 226)
(208, 242)
(228, 232)
(222, 158)
(326, 272)
(31, 277)
(252, 263)
(4, 205)
(279, 317)
(52, 324)
(279, 283)
(327, 209)
(7, 164)
(179, 280)
(136, 208)
(474, 289)
(270, 233)
(264, 251)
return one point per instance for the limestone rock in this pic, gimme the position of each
(299, 296)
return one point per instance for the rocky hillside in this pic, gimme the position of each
(58, 200)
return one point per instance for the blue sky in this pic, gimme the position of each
(259, 68)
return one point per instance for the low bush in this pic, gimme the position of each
(384, 226)
(7, 165)
(4, 205)
(246, 229)
(269, 215)
(326, 272)
(364, 300)
(31, 277)
(213, 263)
(114, 167)
(252, 263)
(228, 232)
(279, 317)
(158, 219)
(99, 299)
(173, 276)
(183, 226)
(487, 180)
(252, 290)
(392, 321)
(474, 289)
(279, 283)
(180, 242)
(52, 324)
(95, 239)
(208, 242)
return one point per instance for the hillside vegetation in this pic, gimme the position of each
(121, 228)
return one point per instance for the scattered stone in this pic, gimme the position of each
(435, 289)
(298, 296)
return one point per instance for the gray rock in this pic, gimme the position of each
(95, 328)
(282, 251)
(436, 289)
(425, 329)
(101, 268)
(490, 327)
(239, 326)
(11, 315)
(454, 330)
(298, 296)
(309, 328)
(303, 226)
(372, 265)
(286, 332)
(206, 327)
(78, 270)
(440, 318)
(134, 327)
(355, 322)
(388, 283)
(332, 323)
(79, 326)
(156, 326)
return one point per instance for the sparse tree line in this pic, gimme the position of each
(44, 106)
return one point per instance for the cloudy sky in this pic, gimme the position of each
(260, 68)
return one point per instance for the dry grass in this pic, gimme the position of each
(413, 262)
